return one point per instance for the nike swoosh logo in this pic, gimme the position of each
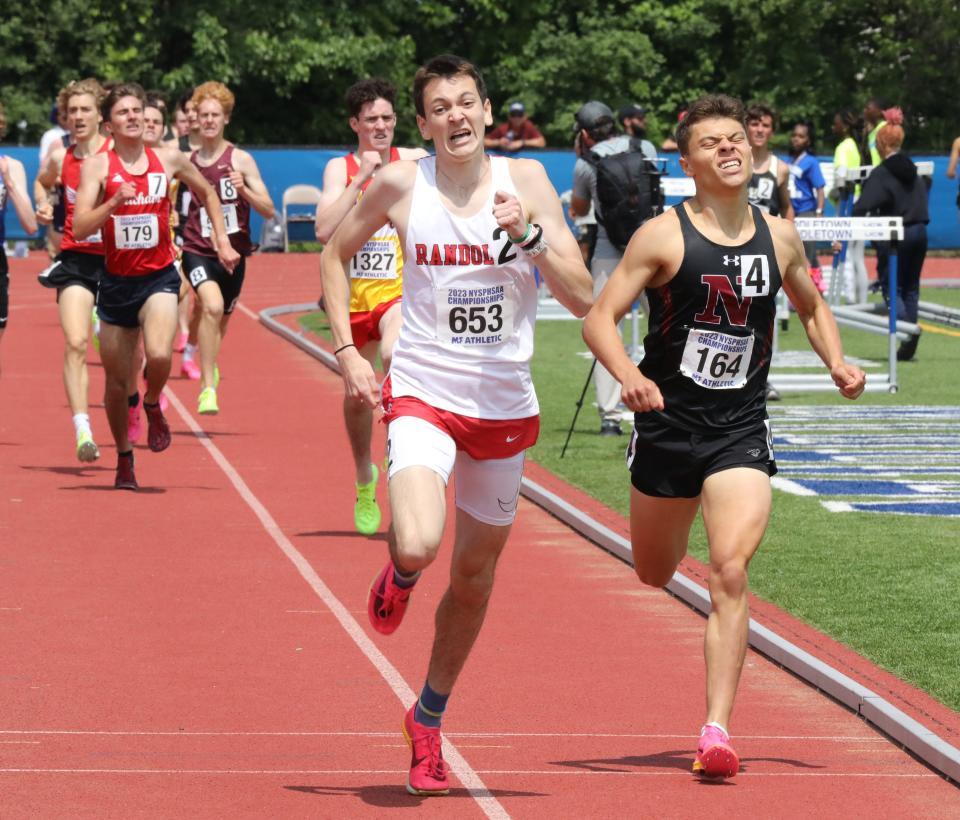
(511, 439)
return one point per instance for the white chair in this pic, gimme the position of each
(298, 195)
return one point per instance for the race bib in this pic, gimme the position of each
(717, 361)
(377, 259)
(470, 316)
(754, 276)
(133, 232)
(229, 218)
(157, 184)
(227, 189)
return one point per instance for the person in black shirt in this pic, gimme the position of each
(711, 268)
(895, 189)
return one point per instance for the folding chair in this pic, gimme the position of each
(295, 195)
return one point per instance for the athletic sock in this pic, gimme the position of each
(81, 423)
(134, 400)
(718, 726)
(188, 351)
(430, 707)
(126, 454)
(148, 406)
(404, 581)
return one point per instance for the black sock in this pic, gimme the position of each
(127, 454)
(134, 400)
(148, 406)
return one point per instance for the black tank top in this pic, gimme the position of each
(762, 191)
(711, 331)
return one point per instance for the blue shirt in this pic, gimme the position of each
(805, 178)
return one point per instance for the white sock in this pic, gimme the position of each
(188, 352)
(81, 423)
(718, 726)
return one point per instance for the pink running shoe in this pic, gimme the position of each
(817, 276)
(180, 342)
(386, 602)
(428, 769)
(190, 369)
(134, 428)
(158, 431)
(715, 756)
(164, 402)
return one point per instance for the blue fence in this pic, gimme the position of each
(283, 167)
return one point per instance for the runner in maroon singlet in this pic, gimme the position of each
(126, 192)
(234, 175)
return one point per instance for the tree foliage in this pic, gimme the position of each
(289, 61)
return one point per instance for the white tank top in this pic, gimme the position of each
(469, 306)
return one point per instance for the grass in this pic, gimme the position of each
(884, 585)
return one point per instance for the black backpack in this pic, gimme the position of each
(628, 192)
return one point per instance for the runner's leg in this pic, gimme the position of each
(736, 509)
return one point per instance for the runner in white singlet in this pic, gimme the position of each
(459, 394)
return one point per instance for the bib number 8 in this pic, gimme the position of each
(477, 319)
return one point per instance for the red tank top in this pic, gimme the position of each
(136, 236)
(197, 230)
(70, 178)
(353, 167)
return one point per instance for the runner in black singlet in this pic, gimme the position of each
(711, 268)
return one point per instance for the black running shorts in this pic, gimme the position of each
(74, 268)
(121, 297)
(668, 462)
(4, 287)
(199, 269)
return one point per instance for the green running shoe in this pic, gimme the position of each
(207, 403)
(87, 450)
(366, 513)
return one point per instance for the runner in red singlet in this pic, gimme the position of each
(376, 271)
(126, 192)
(234, 175)
(77, 270)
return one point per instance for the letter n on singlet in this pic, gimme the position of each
(720, 290)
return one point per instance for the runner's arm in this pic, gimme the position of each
(250, 185)
(562, 262)
(337, 198)
(15, 180)
(184, 170)
(643, 259)
(46, 179)
(954, 156)
(783, 191)
(814, 313)
(359, 224)
(92, 210)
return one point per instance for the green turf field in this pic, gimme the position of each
(885, 585)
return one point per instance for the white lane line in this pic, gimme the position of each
(573, 735)
(512, 772)
(246, 311)
(458, 764)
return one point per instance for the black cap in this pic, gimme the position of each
(592, 114)
(632, 110)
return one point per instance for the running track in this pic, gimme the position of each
(200, 648)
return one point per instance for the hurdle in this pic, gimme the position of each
(843, 229)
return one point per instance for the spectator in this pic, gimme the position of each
(670, 144)
(633, 120)
(596, 134)
(848, 127)
(806, 189)
(952, 166)
(53, 136)
(873, 117)
(895, 189)
(516, 133)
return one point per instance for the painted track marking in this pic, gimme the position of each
(458, 764)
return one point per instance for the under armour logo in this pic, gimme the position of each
(731, 260)
(754, 452)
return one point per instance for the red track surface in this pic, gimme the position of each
(162, 656)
